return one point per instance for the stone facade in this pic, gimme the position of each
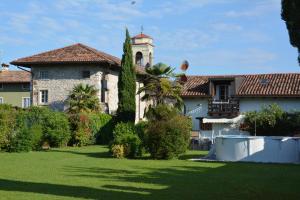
(61, 79)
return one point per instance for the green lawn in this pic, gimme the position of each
(89, 173)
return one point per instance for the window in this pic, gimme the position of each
(223, 92)
(25, 102)
(139, 58)
(103, 90)
(86, 74)
(1, 86)
(1, 100)
(25, 86)
(44, 96)
(44, 75)
(204, 126)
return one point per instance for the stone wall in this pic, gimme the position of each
(63, 78)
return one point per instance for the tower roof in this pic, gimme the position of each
(141, 35)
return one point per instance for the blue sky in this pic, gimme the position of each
(215, 36)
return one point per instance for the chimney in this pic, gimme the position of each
(4, 67)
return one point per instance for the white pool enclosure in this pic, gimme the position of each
(258, 149)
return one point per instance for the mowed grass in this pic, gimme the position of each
(90, 173)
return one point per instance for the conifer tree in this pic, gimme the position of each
(126, 84)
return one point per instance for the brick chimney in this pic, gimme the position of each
(5, 67)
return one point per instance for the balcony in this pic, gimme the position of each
(229, 108)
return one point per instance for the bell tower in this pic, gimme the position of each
(142, 50)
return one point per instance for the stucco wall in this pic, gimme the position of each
(287, 104)
(196, 108)
(13, 93)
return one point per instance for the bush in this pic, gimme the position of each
(25, 138)
(91, 128)
(80, 127)
(7, 124)
(169, 136)
(118, 151)
(22, 141)
(140, 129)
(124, 134)
(26, 130)
(272, 121)
(56, 129)
(102, 126)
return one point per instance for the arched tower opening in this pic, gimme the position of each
(139, 60)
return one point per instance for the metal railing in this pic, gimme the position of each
(231, 107)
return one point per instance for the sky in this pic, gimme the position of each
(214, 36)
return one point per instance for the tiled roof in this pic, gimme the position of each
(14, 77)
(196, 86)
(141, 35)
(270, 85)
(264, 85)
(77, 53)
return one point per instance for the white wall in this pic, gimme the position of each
(196, 108)
(251, 104)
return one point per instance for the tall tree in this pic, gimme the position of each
(126, 84)
(291, 15)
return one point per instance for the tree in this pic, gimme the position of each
(126, 84)
(291, 15)
(83, 98)
(162, 85)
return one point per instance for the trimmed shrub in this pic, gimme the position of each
(118, 151)
(124, 134)
(169, 136)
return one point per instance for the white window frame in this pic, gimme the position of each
(2, 100)
(40, 97)
(23, 102)
(44, 75)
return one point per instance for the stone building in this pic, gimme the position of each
(56, 72)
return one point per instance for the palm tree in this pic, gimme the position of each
(83, 98)
(162, 85)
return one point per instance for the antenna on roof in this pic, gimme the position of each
(142, 29)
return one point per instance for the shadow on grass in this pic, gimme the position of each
(206, 181)
(104, 154)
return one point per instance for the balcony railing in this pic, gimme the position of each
(229, 108)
